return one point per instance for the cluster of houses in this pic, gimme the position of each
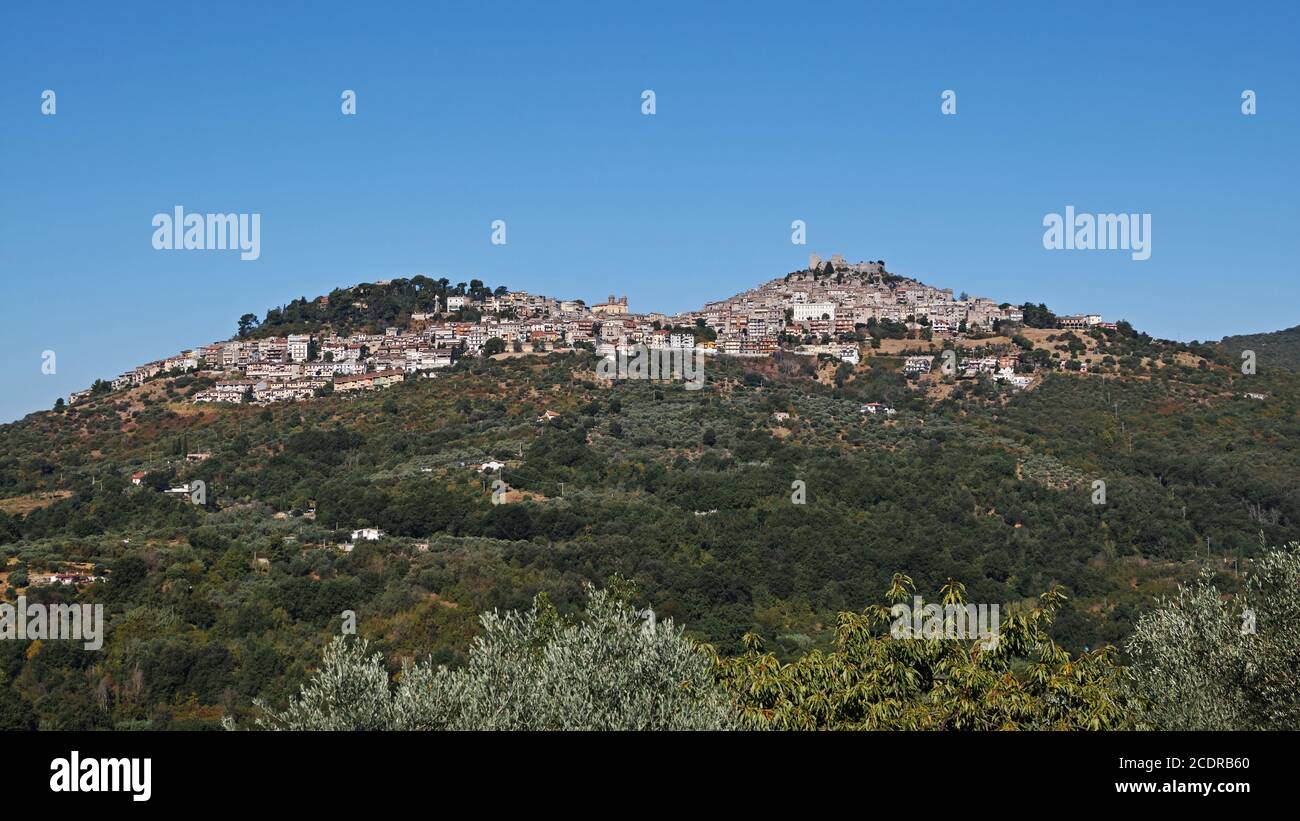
(832, 299)
(300, 366)
(999, 368)
(75, 579)
(828, 301)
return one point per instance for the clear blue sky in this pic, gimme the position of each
(530, 112)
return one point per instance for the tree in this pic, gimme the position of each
(872, 681)
(1203, 663)
(1037, 316)
(247, 323)
(16, 713)
(608, 669)
(495, 345)
(158, 480)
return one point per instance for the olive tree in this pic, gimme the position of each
(1203, 662)
(612, 668)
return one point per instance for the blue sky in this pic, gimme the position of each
(531, 113)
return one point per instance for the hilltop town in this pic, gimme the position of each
(227, 536)
(831, 308)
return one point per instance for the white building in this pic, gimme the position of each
(812, 310)
(299, 347)
(917, 364)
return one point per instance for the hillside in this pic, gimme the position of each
(1279, 349)
(688, 494)
(368, 305)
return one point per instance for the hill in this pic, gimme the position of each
(1279, 349)
(766, 502)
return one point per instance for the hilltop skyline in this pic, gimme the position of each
(830, 115)
(687, 315)
(418, 325)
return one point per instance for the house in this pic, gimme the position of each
(368, 381)
(183, 362)
(288, 390)
(548, 416)
(877, 408)
(917, 364)
(137, 478)
(183, 491)
(494, 465)
(1079, 321)
(73, 579)
(781, 416)
(369, 534)
(973, 365)
(299, 346)
(231, 390)
(801, 312)
(198, 457)
(611, 307)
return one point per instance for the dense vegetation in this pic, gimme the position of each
(610, 669)
(1203, 662)
(1273, 350)
(368, 307)
(614, 668)
(687, 493)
